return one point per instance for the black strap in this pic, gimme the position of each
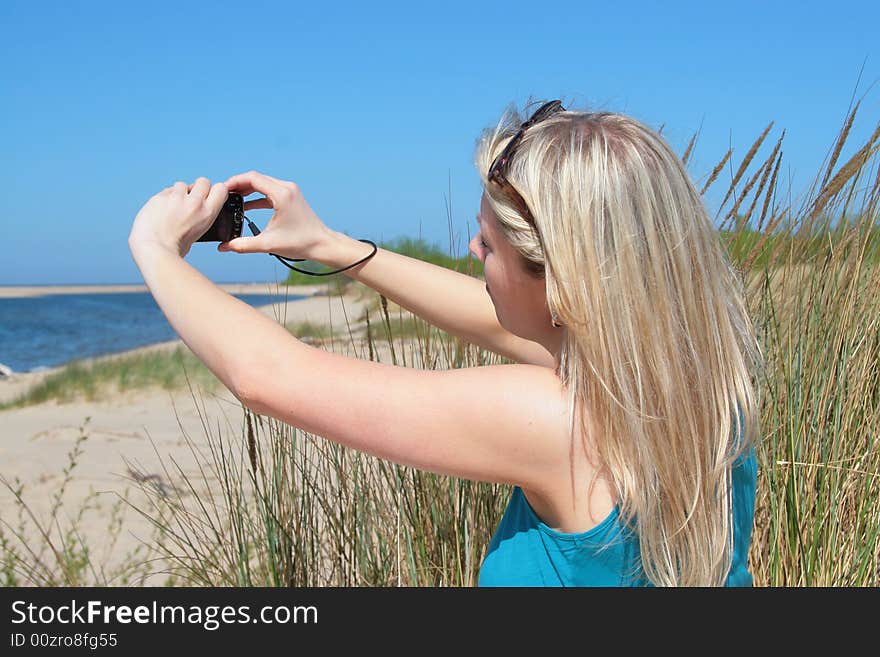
(282, 259)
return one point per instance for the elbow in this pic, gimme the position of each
(245, 390)
(256, 376)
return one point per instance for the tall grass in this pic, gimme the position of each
(276, 506)
(293, 510)
(813, 278)
(93, 379)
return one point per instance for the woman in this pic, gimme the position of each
(628, 424)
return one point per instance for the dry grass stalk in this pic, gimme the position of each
(716, 171)
(687, 151)
(875, 190)
(770, 190)
(839, 145)
(731, 214)
(746, 161)
(251, 443)
(847, 171)
(766, 167)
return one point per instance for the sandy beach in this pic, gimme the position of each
(134, 426)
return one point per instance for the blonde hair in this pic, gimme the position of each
(659, 350)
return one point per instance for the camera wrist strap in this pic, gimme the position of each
(281, 259)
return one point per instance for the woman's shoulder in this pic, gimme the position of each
(577, 496)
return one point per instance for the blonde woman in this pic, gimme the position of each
(627, 425)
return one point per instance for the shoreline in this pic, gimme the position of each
(317, 307)
(304, 293)
(269, 287)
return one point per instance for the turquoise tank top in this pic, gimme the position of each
(524, 551)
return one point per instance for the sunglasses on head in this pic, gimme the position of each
(496, 171)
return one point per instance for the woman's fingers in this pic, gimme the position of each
(200, 188)
(258, 204)
(253, 181)
(243, 245)
(217, 196)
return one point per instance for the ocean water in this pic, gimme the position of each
(47, 331)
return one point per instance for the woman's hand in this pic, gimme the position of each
(294, 231)
(177, 216)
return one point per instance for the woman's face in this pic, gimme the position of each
(520, 300)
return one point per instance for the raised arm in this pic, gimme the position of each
(452, 301)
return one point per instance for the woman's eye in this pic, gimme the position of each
(483, 244)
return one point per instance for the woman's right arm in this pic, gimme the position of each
(449, 300)
(452, 301)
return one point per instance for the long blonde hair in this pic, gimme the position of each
(659, 351)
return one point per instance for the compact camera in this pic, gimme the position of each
(227, 225)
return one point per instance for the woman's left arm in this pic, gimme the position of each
(225, 333)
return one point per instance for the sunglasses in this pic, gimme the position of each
(496, 171)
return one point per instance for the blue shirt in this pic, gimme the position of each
(524, 551)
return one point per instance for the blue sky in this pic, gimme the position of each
(374, 108)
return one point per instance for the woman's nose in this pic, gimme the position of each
(472, 247)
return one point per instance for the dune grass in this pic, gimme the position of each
(95, 379)
(276, 506)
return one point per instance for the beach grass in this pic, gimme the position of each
(277, 506)
(92, 380)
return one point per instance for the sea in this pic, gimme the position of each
(38, 333)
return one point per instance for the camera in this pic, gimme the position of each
(227, 225)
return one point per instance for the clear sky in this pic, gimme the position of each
(374, 108)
